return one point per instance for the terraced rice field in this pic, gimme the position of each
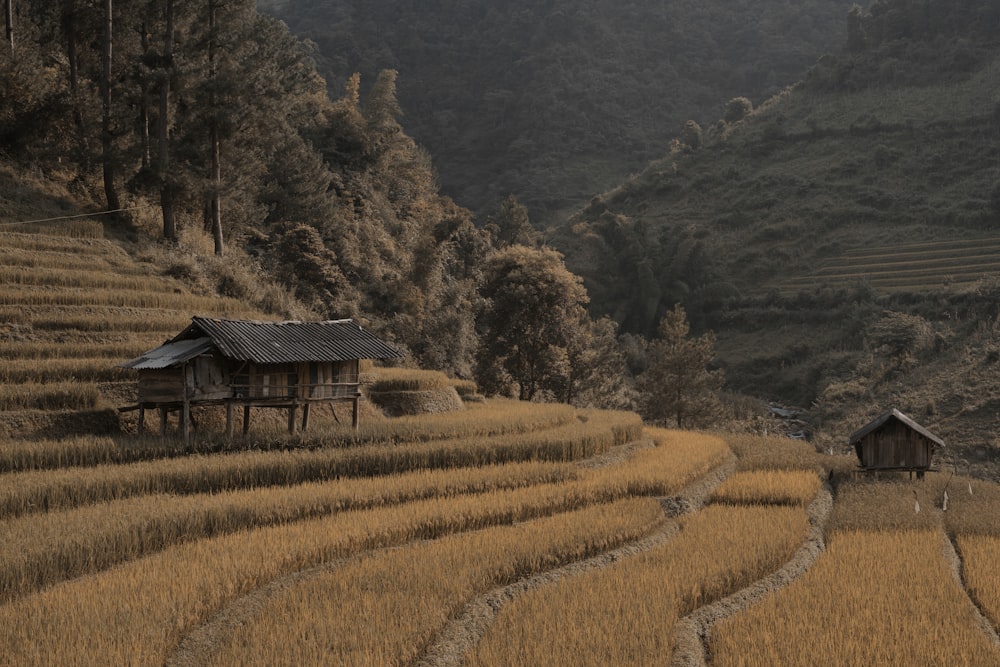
(907, 267)
(209, 549)
(503, 533)
(73, 306)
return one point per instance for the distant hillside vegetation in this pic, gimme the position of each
(807, 232)
(555, 101)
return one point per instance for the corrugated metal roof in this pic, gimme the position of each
(171, 354)
(289, 342)
(882, 419)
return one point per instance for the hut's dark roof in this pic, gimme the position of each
(170, 354)
(894, 414)
(272, 342)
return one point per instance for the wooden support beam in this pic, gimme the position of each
(229, 419)
(142, 418)
(163, 420)
(356, 403)
(186, 420)
(246, 419)
(291, 418)
(305, 416)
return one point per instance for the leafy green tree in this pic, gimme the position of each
(533, 318)
(297, 184)
(856, 41)
(301, 261)
(341, 133)
(382, 110)
(596, 375)
(692, 135)
(677, 384)
(511, 225)
(899, 335)
(737, 109)
(32, 101)
(251, 87)
(435, 298)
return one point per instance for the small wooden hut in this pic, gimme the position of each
(894, 442)
(285, 365)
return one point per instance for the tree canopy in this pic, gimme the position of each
(533, 318)
(678, 386)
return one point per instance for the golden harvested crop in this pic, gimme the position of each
(625, 614)
(382, 610)
(873, 599)
(778, 487)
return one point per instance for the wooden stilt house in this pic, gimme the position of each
(248, 364)
(894, 442)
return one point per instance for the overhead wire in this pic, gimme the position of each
(71, 217)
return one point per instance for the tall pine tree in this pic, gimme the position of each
(678, 385)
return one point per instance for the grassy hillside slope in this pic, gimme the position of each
(80, 295)
(796, 230)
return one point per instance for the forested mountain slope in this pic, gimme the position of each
(169, 118)
(556, 100)
(841, 239)
(212, 115)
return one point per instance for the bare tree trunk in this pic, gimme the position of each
(217, 191)
(71, 28)
(144, 103)
(216, 203)
(163, 157)
(110, 191)
(8, 14)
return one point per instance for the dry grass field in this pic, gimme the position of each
(769, 487)
(886, 591)
(342, 546)
(874, 598)
(168, 596)
(979, 558)
(418, 587)
(625, 614)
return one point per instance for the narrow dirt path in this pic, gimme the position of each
(951, 554)
(616, 455)
(692, 631)
(464, 632)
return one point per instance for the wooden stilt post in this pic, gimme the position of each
(229, 419)
(246, 419)
(305, 416)
(163, 420)
(186, 420)
(354, 410)
(142, 418)
(291, 418)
